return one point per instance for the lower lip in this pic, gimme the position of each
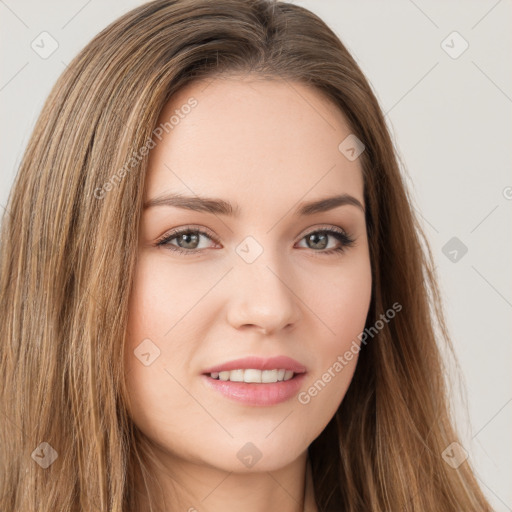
(252, 393)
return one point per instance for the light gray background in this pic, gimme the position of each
(451, 124)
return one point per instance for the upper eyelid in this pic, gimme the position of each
(177, 231)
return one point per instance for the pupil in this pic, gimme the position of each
(316, 235)
(187, 236)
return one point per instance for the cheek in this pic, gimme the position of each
(144, 368)
(158, 347)
(165, 295)
(342, 310)
(340, 300)
(159, 300)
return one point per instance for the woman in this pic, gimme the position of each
(213, 287)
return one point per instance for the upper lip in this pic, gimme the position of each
(259, 363)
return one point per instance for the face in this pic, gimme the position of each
(263, 280)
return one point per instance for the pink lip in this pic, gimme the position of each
(254, 393)
(259, 394)
(259, 363)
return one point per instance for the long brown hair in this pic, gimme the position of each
(68, 251)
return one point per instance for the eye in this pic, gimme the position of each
(188, 239)
(319, 239)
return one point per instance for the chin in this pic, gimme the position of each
(255, 456)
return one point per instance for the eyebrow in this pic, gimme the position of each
(221, 207)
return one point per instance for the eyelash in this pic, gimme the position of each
(345, 239)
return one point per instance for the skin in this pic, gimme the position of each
(266, 145)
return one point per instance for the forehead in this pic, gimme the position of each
(252, 140)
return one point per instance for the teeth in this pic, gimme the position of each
(251, 375)
(269, 376)
(236, 376)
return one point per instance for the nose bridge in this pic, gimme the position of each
(264, 295)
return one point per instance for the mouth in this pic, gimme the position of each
(255, 381)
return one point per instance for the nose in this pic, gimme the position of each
(264, 296)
